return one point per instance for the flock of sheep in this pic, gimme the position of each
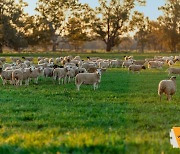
(68, 68)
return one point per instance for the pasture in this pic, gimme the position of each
(123, 116)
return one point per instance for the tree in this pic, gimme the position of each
(52, 17)
(77, 27)
(111, 20)
(141, 24)
(171, 23)
(11, 21)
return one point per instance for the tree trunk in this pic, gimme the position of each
(142, 48)
(54, 47)
(1, 50)
(108, 47)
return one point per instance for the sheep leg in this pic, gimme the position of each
(94, 85)
(59, 79)
(78, 86)
(69, 79)
(168, 97)
(97, 86)
(36, 80)
(65, 80)
(20, 82)
(4, 82)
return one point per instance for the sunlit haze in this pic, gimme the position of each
(150, 10)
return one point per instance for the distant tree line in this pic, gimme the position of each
(69, 22)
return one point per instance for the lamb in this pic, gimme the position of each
(173, 70)
(168, 87)
(136, 68)
(88, 78)
(60, 73)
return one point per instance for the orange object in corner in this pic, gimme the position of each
(175, 137)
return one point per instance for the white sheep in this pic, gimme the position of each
(60, 74)
(173, 70)
(127, 63)
(136, 68)
(48, 72)
(88, 78)
(17, 77)
(168, 87)
(36, 73)
(155, 64)
(6, 75)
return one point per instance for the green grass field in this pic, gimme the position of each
(123, 116)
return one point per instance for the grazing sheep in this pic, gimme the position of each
(155, 64)
(77, 58)
(139, 62)
(173, 71)
(136, 68)
(88, 78)
(168, 87)
(104, 64)
(116, 63)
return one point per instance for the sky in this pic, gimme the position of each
(150, 10)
